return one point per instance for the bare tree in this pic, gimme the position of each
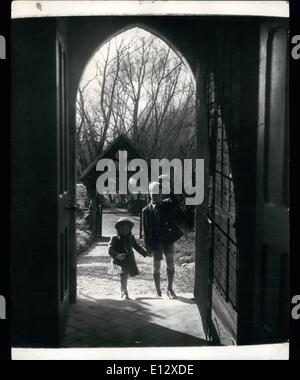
(141, 88)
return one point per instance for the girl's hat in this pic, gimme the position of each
(124, 221)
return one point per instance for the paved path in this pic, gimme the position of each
(101, 319)
(110, 217)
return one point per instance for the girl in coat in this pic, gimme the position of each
(120, 248)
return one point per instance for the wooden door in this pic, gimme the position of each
(203, 254)
(63, 185)
(272, 259)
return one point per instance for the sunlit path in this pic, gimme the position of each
(101, 318)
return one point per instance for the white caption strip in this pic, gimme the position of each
(24, 9)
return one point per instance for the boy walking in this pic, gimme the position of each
(161, 231)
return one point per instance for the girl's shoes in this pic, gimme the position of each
(159, 295)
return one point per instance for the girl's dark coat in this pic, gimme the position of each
(125, 244)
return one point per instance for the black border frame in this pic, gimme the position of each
(294, 188)
(5, 350)
(5, 193)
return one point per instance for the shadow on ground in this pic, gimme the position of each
(145, 322)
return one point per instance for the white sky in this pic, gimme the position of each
(131, 35)
(132, 38)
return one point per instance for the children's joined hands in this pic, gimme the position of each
(121, 256)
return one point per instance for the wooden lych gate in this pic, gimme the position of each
(89, 179)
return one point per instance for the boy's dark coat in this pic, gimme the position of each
(160, 237)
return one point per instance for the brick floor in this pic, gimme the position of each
(101, 319)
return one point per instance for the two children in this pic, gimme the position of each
(162, 221)
(120, 248)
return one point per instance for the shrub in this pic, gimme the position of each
(84, 235)
(84, 241)
(185, 249)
